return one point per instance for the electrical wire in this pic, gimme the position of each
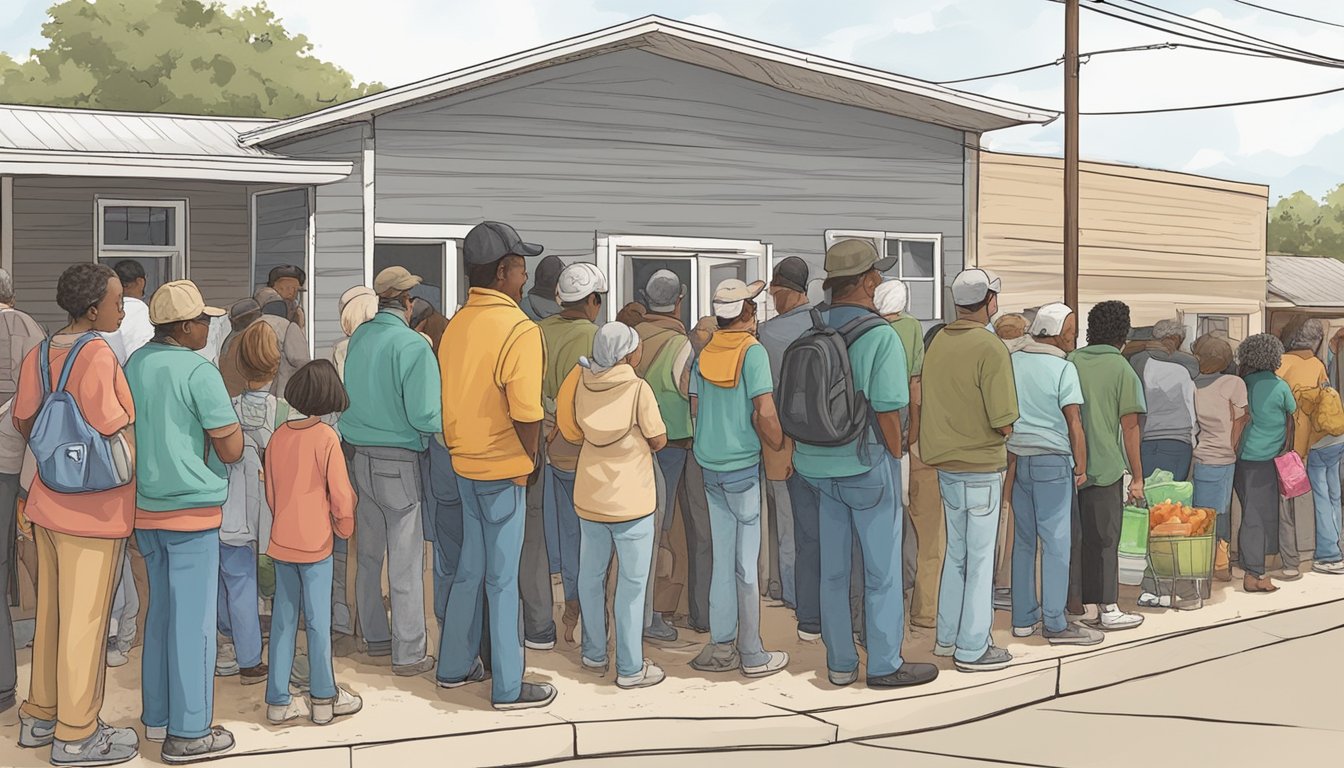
(1195, 108)
(1085, 56)
(1272, 44)
(1290, 14)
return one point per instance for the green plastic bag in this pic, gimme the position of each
(1134, 532)
(266, 577)
(1161, 487)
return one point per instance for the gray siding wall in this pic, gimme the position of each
(338, 263)
(630, 142)
(281, 232)
(54, 228)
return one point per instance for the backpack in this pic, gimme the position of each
(817, 402)
(247, 516)
(1327, 416)
(72, 456)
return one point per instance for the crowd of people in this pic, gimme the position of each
(898, 472)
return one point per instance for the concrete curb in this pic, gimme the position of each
(1017, 687)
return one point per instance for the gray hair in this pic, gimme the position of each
(1261, 352)
(1308, 337)
(1167, 328)
(6, 287)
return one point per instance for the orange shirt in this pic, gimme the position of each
(309, 492)
(104, 398)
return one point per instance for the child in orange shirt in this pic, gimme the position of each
(312, 501)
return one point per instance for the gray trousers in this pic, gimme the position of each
(783, 545)
(9, 505)
(125, 606)
(534, 571)
(1297, 530)
(699, 543)
(388, 524)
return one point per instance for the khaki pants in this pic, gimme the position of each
(76, 578)
(926, 514)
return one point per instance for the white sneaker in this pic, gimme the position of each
(809, 637)
(1112, 619)
(279, 715)
(1027, 631)
(326, 710)
(647, 677)
(1150, 600)
(1333, 569)
(774, 662)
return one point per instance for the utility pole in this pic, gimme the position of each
(1071, 66)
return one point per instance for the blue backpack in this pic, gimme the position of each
(73, 457)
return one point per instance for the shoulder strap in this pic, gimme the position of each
(69, 362)
(44, 365)
(854, 329)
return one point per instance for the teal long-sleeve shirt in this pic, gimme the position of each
(393, 382)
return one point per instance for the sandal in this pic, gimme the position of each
(1261, 584)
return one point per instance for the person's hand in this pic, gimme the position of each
(1079, 478)
(1136, 489)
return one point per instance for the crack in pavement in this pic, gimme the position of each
(1189, 718)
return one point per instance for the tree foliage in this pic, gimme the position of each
(1301, 225)
(180, 56)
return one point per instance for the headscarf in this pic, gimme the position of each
(614, 341)
(358, 311)
(891, 297)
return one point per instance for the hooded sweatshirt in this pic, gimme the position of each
(613, 413)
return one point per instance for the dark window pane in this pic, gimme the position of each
(425, 260)
(139, 226)
(916, 258)
(921, 299)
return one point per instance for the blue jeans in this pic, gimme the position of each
(806, 502)
(1171, 455)
(177, 676)
(493, 516)
(1042, 508)
(971, 503)
(868, 505)
(567, 529)
(238, 617)
(735, 533)
(1213, 490)
(444, 500)
(633, 542)
(302, 587)
(1323, 471)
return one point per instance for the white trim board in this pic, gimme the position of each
(261, 170)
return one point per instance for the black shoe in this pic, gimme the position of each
(533, 695)
(177, 751)
(910, 674)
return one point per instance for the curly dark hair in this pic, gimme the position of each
(82, 287)
(1261, 352)
(1108, 323)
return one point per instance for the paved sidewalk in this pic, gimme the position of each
(411, 720)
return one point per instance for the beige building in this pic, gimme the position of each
(1166, 243)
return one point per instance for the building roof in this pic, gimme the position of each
(782, 68)
(57, 141)
(1307, 281)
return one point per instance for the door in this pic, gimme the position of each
(700, 263)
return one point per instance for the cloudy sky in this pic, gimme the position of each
(1289, 145)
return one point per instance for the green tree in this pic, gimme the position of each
(1299, 224)
(180, 56)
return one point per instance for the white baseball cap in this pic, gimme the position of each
(578, 281)
(732, 294)
(1050, 320)
(972, 285)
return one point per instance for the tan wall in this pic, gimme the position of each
(1163, 242)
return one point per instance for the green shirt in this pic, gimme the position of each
(1270, 403)
(877, 362)
(178, 396)
(1111, 391)
(566, 340)
(393, 382)
(969, 394)
(725, 439)
(912, 339)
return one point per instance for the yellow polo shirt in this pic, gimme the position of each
(491, 359)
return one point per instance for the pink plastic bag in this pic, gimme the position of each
(1293, 480)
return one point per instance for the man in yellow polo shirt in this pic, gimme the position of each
(491, 358)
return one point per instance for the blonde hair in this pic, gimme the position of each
(358, 311)
(258, 353)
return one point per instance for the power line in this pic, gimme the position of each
(1211, 25)
(1090, 54)
(1215, 106)
(1290, 14)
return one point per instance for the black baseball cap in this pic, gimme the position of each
(490, 241)
(791, 273)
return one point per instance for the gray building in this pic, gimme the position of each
(648, 145)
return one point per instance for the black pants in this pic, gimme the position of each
(9, 505)
(1101, 510)
(1256, 484)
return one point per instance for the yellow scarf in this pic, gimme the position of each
(721, 359)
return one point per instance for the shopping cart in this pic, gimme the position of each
(1181, 558)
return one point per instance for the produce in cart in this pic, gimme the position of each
(1170, 518)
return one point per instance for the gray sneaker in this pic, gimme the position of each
(841, 679)
(178, 751)
(717, 657)
(1074, 634)
(105, 746)
(533, 695)
(660, 630)
(411, 670)
(993, 659)
(34, 733)
(775, 661)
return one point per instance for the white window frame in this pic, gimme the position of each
(611, 247)
(181, 262)
(881, 238)
(449, 236)
(309, 254)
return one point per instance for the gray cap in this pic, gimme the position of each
(491, 241)
(663, 290)
(546, 275)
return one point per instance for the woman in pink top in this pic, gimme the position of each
(312, 502)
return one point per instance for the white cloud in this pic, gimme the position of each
(1205, 158)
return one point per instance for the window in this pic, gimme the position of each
(426, 259)
(919, 264)
(279, 232)
(151, 232)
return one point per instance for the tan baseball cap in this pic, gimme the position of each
(178, 302)
(732, 294)
(855, 257)
(395, 279)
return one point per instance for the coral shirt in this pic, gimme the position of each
(104, 399)
(309, 492)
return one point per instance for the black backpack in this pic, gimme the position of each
(817, 402)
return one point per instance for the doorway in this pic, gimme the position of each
(700, 263)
